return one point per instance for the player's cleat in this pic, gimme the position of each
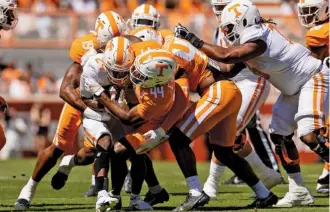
(271, 178)
(265, 202)
(25, 197)
(117, 206)
(58, 180)
(104, 202)
(211, 191)
(300, 196)
(193, 202)
(323, 185)
(137, 204)
(154, 199)
(21, 205)
(234, 180)
(128, 183)
(91, 192)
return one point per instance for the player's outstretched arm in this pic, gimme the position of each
(69, 85)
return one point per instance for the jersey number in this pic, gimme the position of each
(156, 91)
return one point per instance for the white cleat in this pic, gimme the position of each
(271, 178)
(211, 191)
(128, 183)
(105, 202)
(300, 196)
(25, 197)
(322, 188)
(137, 204)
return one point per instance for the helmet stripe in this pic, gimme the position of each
(113, 23)
(146, 8)
(120, 51)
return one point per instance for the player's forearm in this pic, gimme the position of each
(220, 54)
(72, 97)
(115, 108)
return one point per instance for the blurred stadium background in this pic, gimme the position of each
(35, 56)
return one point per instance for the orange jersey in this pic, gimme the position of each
(155, 103)
(145, 46)
(193, 61)
(81, 45)
(318, 36)
(165, 33)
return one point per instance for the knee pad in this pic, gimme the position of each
(102, 159)
(283, 146)
(240, 142)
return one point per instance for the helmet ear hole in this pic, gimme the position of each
(244, 22)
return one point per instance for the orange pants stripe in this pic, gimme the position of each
(217, 109)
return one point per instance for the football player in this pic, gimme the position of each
(302, 79)
(153, 77)
(8, 21)
(145, 15)
(254, 91)
(314, 15)
(108, 25)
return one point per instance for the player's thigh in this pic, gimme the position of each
(284, 110)
(313, 106)
(222, 99)
(254, 94)
(67, 128)
(94, 130)
(224, 133)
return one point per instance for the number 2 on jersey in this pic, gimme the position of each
(156, 91)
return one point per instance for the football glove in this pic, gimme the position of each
(182, 32)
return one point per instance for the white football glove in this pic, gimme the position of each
(153, 139)
(92, 86)
(181, 31)
(98, 116)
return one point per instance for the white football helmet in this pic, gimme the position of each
(146, 33)
(312, 11)
(108, 25)
(118, 57)
(8, 16)
(145, 15)
(153, 67)
(236, 17)
(218, 6)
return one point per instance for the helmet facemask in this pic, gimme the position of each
(308, 15)
(117, 75)
(138, 78)
(231, 34)
(8, 17)
(150, 22)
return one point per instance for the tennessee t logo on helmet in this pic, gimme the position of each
(234, 8)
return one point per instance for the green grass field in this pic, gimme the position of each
(15, 173)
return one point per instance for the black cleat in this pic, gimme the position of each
(21, 205)
(154, 199)
(324, 180)
(58, 180)
(234, 180)
(91, 192)
(192, 202)
(264, 203)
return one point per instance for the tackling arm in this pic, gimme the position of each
(128, 117)
(234, 54)
(69, 85)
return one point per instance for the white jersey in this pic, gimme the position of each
(94, 68)
(287, 66)
(220, 40)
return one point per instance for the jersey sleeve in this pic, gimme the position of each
(81, 45)
(76, 51)
(147, 110)
(318, 36)
(252, 33)
(90, 70)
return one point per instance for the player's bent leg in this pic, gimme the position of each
(45, 162)
(317, 143)
(85, 156)
(156, 193)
